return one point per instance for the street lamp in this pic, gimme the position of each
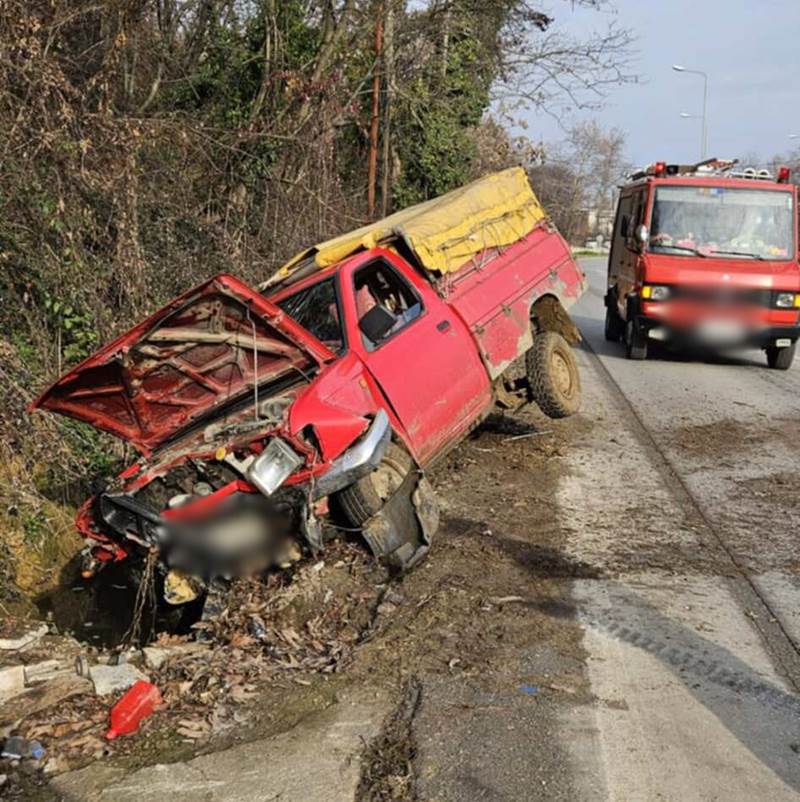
(704, 141)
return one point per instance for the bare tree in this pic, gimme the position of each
(577, 179)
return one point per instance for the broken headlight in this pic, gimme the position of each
(276, 463)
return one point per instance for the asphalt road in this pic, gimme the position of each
(685, 494)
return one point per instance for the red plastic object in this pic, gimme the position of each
(137, 704)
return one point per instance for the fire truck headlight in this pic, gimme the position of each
(655, 292)
(786, 300)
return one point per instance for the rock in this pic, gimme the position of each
(156, 656)
(111, 679)
(12, 682)
(55, 765)
(42, 697)
(27, 639)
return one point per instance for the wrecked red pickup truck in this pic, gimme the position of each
(266, 417)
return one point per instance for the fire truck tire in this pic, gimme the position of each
(635, 340)
(365, 498)
(614, 327)
(781, 358)
(553, 376)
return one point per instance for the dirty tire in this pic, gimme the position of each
(553, 375)
(635, 341)
(365, 498)
(781, 358)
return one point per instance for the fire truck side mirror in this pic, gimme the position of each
(642, 235)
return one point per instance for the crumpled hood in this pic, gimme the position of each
(205, 348)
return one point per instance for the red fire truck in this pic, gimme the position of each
(706, 255)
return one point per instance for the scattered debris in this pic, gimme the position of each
(17, 748)
(500, 600)
(194, 730)
(111, 679)
(137, 704)
(260, 629)
(12, 682)
(528, 434)
(23, 641)
(42, 697)
(529, 690)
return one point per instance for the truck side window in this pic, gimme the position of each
(624, 223)
(316, 309)
(638, 218)
(385, 303)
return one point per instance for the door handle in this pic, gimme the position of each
(443, 326)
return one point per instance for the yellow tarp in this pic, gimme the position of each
(445, 232)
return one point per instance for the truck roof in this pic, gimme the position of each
(713, 172)
(710, 180)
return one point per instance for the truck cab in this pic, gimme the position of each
(705, 256)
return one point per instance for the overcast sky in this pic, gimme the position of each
(751, 52)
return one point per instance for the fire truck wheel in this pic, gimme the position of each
(364, 498)
(553, 375)
(781, 358)
(635, 340)
(615, 326)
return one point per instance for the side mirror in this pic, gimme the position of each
(642, 234)
(377, 323)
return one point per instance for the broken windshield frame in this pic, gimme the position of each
(709, 220)
(311, 307)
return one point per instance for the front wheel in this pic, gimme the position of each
(614, 326)
(781, 358)
(553, 375)
(366, 497)
(635, 340)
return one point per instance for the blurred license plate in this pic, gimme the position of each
(721, 332)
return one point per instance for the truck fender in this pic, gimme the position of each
(548, 314)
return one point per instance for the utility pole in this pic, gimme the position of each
(388, 98)
(372, 168)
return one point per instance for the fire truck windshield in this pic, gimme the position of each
(731, 223)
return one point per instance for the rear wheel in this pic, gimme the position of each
(553, 375)
(635, 340)
(366, 497)
(615, 325)
(781, 358)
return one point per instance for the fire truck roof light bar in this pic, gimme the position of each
(708, 167)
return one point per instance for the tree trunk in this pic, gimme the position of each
(373, 129)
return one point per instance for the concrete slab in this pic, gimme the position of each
(319, 760)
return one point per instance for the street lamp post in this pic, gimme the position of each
(704, 140)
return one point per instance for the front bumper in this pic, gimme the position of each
(704, 334)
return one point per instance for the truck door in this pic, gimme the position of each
(420, 353)
(624, 256)
(617, 259)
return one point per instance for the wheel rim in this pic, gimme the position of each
(387, 478)
(562, 375)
